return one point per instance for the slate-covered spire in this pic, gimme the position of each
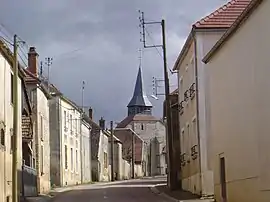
(139, 103)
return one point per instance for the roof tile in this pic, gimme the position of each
(225, 16)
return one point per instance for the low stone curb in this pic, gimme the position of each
(155, 190)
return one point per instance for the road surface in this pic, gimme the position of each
(128, 191)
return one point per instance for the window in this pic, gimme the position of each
(66, 160)
(41, 159)
(2, 138)
(41, 128)
(142, 127)
(76, 160)
(11, 89)
(105, 160)
(71, 123)
(76, 125)
(71, 159)
(65, 120)
(11, 140)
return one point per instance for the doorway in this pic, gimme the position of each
(223, 179)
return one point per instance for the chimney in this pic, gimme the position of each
(33, 61)
(102, 123)
(90, 111)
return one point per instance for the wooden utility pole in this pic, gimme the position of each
(172, 174)
(15, 122)
(172, 178)
(133, 152)
(112, 153)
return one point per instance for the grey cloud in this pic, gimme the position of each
(107, 34)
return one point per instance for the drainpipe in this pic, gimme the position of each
(197, 104)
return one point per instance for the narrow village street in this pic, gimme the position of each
(129, 191)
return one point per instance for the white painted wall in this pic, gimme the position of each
(42, 141)
(70, 136)
(104, 163)
(6, 117)
(205, 41)
(86, 153)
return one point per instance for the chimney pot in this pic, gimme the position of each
(90, 113)
(102, 123)
(33, 61)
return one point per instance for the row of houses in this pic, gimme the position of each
(223, 115)
(59, 144)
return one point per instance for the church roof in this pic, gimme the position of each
(136, 117)
(139, 97)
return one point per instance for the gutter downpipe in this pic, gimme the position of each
(197, 104)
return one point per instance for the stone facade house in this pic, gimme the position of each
(238, 66)
(117, 158)
(148, 127)
(39, 98)
(65, 140)
(193, 77)
(128, 137)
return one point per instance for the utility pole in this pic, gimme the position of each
(15, 122)
(81, 139)
(112, 153)
(172, 174)
(133, 152)
(48, 63)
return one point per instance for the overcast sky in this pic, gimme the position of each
(97, 41)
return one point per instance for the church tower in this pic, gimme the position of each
(139, 103)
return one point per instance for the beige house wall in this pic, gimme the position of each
(6, 122)
(240, 113)
(42, 140)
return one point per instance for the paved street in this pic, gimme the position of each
(129, 191)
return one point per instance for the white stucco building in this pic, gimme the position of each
(193, 79)
(65, 140)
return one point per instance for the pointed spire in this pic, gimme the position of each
(139, 100)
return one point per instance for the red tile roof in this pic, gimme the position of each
(225, 16)
(236, 25)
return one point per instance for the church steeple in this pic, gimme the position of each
(139, 103)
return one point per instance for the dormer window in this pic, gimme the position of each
(142, 127)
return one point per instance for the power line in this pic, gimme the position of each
(7, 41)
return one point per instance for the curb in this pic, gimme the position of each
(156, 191)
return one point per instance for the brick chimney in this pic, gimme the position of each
(33, 61)
(90, 111)
(102, 123)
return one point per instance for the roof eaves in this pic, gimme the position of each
(235, 26)
(184, 50)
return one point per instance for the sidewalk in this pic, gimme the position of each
(177, 196)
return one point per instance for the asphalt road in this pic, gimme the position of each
(130, 191)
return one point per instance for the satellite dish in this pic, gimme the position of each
(155, 97)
